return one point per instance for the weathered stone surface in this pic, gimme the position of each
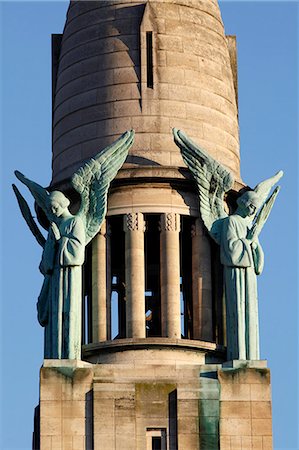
(104, 50)
(120, 402)
(245, 407)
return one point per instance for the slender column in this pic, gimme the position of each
(99, 287)
(201, 284)
(135, 284)
(170, 275)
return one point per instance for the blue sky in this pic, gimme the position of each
(267, 36)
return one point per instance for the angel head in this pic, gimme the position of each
(249, 203)
(58, 203)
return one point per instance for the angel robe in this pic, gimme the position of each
(241, 265)
(60, 301)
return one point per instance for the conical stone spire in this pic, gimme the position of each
(147, 65)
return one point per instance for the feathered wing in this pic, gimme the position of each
(40, 194)
(213, 181)
(93, 179)
(263, 189)
(26, 213)
(263, 215)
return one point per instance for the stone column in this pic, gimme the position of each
(135, 280)
(170, 275)
(99, 286)
(201, 284)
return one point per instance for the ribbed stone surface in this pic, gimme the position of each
(101, 88)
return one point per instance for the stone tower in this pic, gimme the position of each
(153, 373)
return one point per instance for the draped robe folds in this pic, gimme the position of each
(241, 265)
(60, 301)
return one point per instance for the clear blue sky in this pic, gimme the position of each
(267, 34)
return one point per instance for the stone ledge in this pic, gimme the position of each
(130, 343)
(242, 364)
(70, 363)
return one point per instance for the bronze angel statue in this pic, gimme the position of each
(237, 234)
(60, 301)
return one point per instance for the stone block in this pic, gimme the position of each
(161, 58)
(188, 441)
(267, 443)
(225, 443)
(188, 408)
(236, 442)
(79, 443)
(235, 427)
(124, 108)
(103, 441)
(261, 410)
(171, 75)
(61, 443)
(171, 11)
(246, 442)
(74, 426)
(208, 16)
(103, 407)
(104, 425)
(235, 392)
(156, 408)
(262, 427)
(260, 392)
(235, 409)
(170, 43)
(189, 425)
(124, 75)
(150, 124)
(125, 442)
(45, 442)
(184, 60)
(168, 108)
(189, 394)
(50, 426)
(77, 136)
(51, 409)
(257, 442)
(125, 426)
(119, 126)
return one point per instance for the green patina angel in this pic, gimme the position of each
(60, 301)
(237, 234)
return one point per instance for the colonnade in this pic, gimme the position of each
(134, 228)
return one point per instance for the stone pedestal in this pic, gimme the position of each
(124, 407)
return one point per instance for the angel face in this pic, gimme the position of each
(249, 202)
(56, 209)
(251, 209)
(58, 203)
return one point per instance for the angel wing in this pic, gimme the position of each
(40, 194)
(213, 181)
(263, 189)
(263, 214)
(92, 181)
(26, 213)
